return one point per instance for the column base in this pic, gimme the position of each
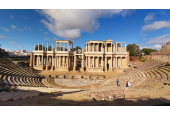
(52, 68)
(46, 68)
(74, 68)
(105, 69)
(82, 69)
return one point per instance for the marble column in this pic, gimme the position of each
(47, 63)
(94, 48)
(74, 61)
(56, 46)
(89, 61)
(116, 46)
(125, 62)
(98, 47)
(86, 47)
(125, 47)
(59, 61)
(37, 60)
(116, 62)
(93, 61)
(121, 62)
(72, 46)
(64, 47)
(42, 47)
(60, 46)
(82, 61)
(68, 47)
(63, 61)
(52, 46)
(33, 60)
(121, 47)
(67, 61)
(52, 61)
(34, 46)
(105, 62)
(86, 61)
(111, 62)
(97, 61)
(42, 60)
(47, 46)
(111, 48)
(106, 47)
(55, 61)
(102, 61)
(102, 47)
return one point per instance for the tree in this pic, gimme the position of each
(147, 51)
(40, 48)
(76, 48)
(133, 49)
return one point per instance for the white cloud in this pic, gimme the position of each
(1, 36)
(144, 39)
(4, 29)
(45, 33)
(155, 25)
(46, 38)
(40, 29)
(27, 28)
(160, 40)
(19, 47)
(55, 38)
(12, 42)
(149, 17)
(69, 23)
(19, 30)
(13, 26)
(12, 16)
(158, 46)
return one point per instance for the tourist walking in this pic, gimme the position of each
(117, 83)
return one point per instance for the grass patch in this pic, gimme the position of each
(142, 59)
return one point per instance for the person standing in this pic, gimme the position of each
(129, 85)
(117, 83)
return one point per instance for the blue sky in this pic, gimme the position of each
(21, 29)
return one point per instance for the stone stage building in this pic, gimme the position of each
(97, 56)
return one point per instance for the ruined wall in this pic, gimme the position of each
(163, 54)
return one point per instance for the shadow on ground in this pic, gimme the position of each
(55, 99)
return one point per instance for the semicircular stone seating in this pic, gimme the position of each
(144, 73)
(14, 75)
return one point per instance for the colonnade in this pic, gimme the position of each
(91, 64)
(90, 49)
(58, 46)
(116, 61)
(115, 46)
(56, 61)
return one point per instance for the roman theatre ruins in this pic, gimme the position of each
(97, 56)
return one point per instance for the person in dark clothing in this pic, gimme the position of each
(117, 83)
(127, 84)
